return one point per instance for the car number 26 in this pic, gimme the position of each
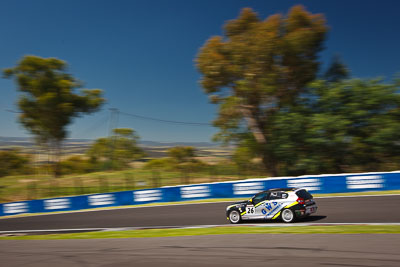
(250, 210)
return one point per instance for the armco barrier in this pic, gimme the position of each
(337, 183)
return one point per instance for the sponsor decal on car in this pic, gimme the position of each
(365, 182)
(247, 188)
(264, 211)
(312, 184)
(195, 191)
(147, 195)
(57, 204)
(11, 208)
(100, 200)
(276, 206)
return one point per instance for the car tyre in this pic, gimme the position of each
(234, 217)
(288, 216)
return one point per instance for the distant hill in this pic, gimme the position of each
(153, 149)
(25, 141)
(172, 144)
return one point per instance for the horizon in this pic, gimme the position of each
(193, 143)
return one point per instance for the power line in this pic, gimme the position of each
(114, 114)
(166, 121)
(97, 124)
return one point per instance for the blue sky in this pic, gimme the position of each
(141, 53)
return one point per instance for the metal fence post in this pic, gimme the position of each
(129, 181)
(31, 190)
(103, 184)
(156, 178)
(78, 186)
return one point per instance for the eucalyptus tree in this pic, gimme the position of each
(257, 68)
(48, 101)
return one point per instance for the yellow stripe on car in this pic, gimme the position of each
(276, 215)
(243, 213)
(291, 205)
(259, 204)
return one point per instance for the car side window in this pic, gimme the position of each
(278, 195)
(260, 197)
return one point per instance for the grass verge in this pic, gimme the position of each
(334, 229)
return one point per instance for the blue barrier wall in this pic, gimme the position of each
(337, 183)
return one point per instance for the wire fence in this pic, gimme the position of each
(49, 187)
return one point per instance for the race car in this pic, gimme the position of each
(287, 204)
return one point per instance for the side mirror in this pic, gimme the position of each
(250, 200)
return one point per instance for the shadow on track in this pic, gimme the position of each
(303, 220)
(312, 218)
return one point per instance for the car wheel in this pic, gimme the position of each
(234, 216)
(288, 216)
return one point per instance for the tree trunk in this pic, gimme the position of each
(56, 163)
(270, 164)
(255, 127)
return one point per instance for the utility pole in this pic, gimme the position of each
(114, 116)
(36, 149)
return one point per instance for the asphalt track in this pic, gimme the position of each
(218, 250)
(370, 209)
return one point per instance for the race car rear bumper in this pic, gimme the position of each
(311, 209)
(305, 211)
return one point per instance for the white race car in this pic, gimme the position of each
(287, 204)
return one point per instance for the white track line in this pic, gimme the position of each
(190, 227)
(52, 230)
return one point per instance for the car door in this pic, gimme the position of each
(252, 210)
(273, 205)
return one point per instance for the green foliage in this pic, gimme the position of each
(244, 155)
(13, 162)
(351, 125)
(47, 101)
(192, 166)
(182, 154)
(116, 151)
(262, 76)
(170, 164)
(256, 69)
(337, 71)
(77, 164)
(160, 164)
(183, 158)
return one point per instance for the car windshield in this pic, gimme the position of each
(304, 194)
(260, 197)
